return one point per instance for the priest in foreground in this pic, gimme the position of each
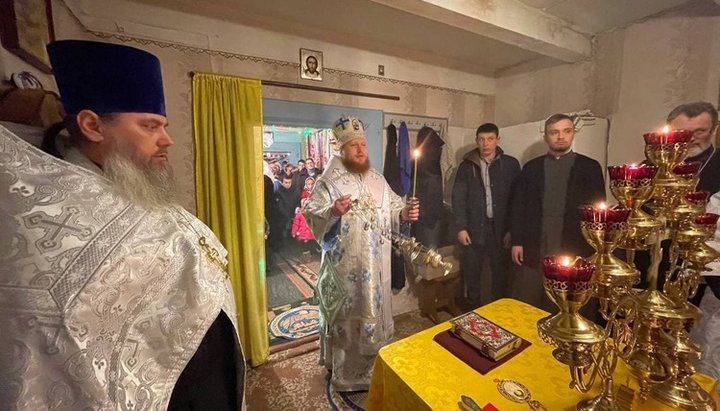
(111, 295)
(352, 212)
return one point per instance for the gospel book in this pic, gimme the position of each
(489, 338)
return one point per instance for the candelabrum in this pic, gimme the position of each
(648, 329)
(587, 349)
(662, 356)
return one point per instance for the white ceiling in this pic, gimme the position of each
(489, 37)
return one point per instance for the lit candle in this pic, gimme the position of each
(603, 212)
(416, 155)
(565, 270)
(631, 171)
(667, 136)
(568, 270)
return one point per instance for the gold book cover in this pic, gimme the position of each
(492, 340)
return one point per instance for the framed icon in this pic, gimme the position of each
(311, 64)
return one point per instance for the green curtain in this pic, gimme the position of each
(227, 118)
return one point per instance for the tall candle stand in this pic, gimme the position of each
(662, 356)
(587, 349)
(649, 328)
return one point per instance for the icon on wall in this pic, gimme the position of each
(268, 138)
(311, 64)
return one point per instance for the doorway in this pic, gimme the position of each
(295, 134)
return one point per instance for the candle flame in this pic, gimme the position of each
(416, 153)
(565, 262)
(633, 165)
(665, 129)
(602, 206)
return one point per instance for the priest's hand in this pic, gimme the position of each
(464, 237)
(341, 206)
(411, 212)
(517, 254)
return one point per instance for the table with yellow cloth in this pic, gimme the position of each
(416, 373)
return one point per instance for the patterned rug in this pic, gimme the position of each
(296, 322)
(308, 268)
(293, 380)
(285, 286)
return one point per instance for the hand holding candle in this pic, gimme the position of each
(411, 211)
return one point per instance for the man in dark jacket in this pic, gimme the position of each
(545, 215)
(480, 200)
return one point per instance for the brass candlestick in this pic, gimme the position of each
(632, 186)
(604, 229)
(646, 328)
(587, 349)
(661, 358)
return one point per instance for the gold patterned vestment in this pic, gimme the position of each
(354, 283)
(102, 303)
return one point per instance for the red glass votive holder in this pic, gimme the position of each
(599, 214)
(569, 273)
(688, 170)
(697, 197)
(668, 137)
(631, 172)
(707, 219)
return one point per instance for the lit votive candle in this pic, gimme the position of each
(600, 213)
(631, 172)
(568, 271)
(667, 136)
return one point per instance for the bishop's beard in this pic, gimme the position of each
(355, 167)
(141, 184)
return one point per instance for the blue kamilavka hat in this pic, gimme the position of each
(106, 78)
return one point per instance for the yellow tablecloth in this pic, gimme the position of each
(416, 373)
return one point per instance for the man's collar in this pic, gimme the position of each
(558, 157)
(490, 159)
(75, 156)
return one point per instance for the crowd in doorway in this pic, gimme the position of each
(287, 188)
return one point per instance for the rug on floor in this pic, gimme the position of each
(307, 269)
(285, 286)
(294, 380)
(296, 322)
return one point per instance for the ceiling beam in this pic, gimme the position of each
(508, 21)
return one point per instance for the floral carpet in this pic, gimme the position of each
(293, 379)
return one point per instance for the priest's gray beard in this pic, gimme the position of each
(355, 167)
(697, 149)
(141, 184)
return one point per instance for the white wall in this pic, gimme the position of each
(635, 77)
(10, 63)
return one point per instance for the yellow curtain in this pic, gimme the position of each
(227, 118)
